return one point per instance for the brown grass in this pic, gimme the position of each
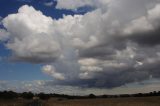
(132, 101)
(14, 102)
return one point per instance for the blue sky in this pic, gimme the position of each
(80, 46)
(11, 6)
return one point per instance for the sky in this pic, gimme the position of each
(80, 47)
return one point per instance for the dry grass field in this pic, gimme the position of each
(14, 102)
(131, 101)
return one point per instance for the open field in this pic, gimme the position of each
(14, 102)
(131, 101)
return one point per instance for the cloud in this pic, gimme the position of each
(3, 35)
(138, 25)
(145, 30)
(108, 47)
(72, 4)
(50, 70)
(87, 66)
(77, 4)
(51, 3)
(154, 16)
(148, 22)
(30, 36)
(38, 86)
(1, 20)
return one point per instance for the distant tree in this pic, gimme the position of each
(92, 96)
(12, 95)
(158, 92)
(104, 96)
(8, 95)
(27, 95)
(43, 96)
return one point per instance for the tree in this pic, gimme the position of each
(92, 96)
(27, 95)
(43, 96)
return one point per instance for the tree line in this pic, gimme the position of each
(43, 96)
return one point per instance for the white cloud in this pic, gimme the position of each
(89, 65)
(78, 43)
(31, 36)
(50, 70)
(154, 16)
(138, 25)
(88, 61)
(85, 75)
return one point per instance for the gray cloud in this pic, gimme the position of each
(74, 4)
(150, 38)
(105, 48)
(44, 86)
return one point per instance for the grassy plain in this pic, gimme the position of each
(14, 102)
(130, 101)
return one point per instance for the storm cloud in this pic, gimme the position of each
(115, 44)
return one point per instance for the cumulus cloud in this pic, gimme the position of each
(30, 36)
(50, 70)
(88, 66)
(144, 23)
(108, 47)
(154, 16)
(3, 35)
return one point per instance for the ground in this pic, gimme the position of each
(131, 101)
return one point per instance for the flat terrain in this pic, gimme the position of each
(131, 101)
(14, 102)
